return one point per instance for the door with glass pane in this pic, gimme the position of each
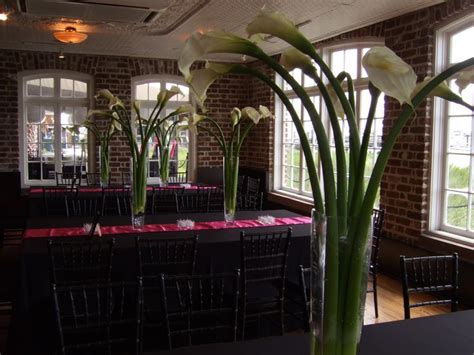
(54, 141)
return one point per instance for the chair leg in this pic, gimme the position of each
(376, 303)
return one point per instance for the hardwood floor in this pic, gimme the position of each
(391, 303)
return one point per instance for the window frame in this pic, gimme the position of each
(360, 84)
(436, 198)
(178, 80)
(57, 102)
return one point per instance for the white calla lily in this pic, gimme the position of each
(265, 112)
(442, 91)
(166, 94)
(389, 73)
(193, 120)
(276, 24)
(200, 81)
(293, 58)
(464, 79)
(200, 44)
(335, 101)
(252, 114)
(113, 100)
(235, 116)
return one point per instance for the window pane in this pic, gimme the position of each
(459, 50)
(141, 92)
(350, 64)
(153, 90)
(47, 87)
(80, 114)
(67, 116)
(363, 72)
(80, 89)
(459, 134)
(457, 210)
(33, 114)
(337, 62)
(458, 171)
(66, 87)
(467, 96)
(33, 87)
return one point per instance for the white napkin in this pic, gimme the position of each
(266, 219)
(88, 226)
(185, 223)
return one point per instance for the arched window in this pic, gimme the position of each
(452, 180)
(54, 104)
(290, 171)
(145, 89)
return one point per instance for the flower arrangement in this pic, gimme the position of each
(347, 203)
(138, 142)
(104, 139)
(242, 123)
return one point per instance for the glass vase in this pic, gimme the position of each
(230, 176)
(104, 166)
(139, 192)
(164, 167)
(345, 341)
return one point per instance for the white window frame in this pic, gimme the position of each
(436, 225)
(163, 79)
(359, 85)
(56, 101)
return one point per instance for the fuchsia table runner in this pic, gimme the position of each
(149, 188)
(170, 227)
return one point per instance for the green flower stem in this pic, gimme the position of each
(363, 222)
(308, 155)
(104, 163)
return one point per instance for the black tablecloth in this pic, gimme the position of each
(448, 334)
(32, 325)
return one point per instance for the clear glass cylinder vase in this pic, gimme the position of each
(231, 177)
(334, 330)
(104, 166)
(164, 157)
(139, 172)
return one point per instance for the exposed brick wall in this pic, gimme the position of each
(108, 72)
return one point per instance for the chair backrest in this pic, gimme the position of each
(241, 184)
(304, 282)
(178, 178)
(253, 186)
(437, 275)
(192, 203)
(175, 256)
(200, 309)
(83, 204)
(377, 219)
(66, 179)
(251, 202)
(164, 199)
(264, 259)
(116, 201)
(126, 179)
(98, 318)
(75, 262)
(216, 200)
(54, 200)
(93, 179)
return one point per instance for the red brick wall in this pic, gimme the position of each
(115, 74)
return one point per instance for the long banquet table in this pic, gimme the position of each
(447, 334)
(32, 325)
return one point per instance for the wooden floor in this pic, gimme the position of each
(391, 303)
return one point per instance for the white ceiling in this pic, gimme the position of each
(158, 28)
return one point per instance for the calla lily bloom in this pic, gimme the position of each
(442, 91)
(113, 100)
(252, 114)
(200, 44)
(200, 82)
(293, 58)
(193, 121)
(235, 116)
(335, 101)
(276, 24)
(265, 112)
(390, 74)
(165, 95)
(464, 79)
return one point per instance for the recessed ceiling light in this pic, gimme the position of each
(3, 16)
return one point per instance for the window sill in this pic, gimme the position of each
(294, 202)
(447, 243)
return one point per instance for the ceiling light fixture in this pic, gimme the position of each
(70, 36)
(3, 16)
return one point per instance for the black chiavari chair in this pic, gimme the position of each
(116, 201)
(54, 200)
(75, 262)
(67, 180)
(377, 218)
(83, 204)
(178, 178)
(199, 310)
(98, 318)
(192, 203)
(176, 256)
(93, 179)
(164, 200)
(436, 275)
(263, 264)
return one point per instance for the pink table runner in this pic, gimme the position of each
(149, 188)
(170, 227)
